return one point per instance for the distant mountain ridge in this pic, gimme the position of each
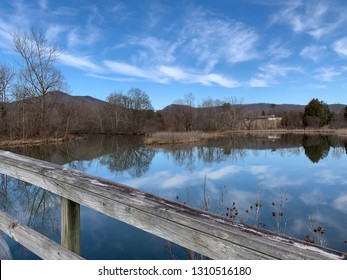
(259, 108)
(92, 102)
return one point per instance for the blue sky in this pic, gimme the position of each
(272, 51)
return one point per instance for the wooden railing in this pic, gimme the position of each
(210, 235)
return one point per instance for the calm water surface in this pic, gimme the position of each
(288, 184)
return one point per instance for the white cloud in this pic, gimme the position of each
(258, 82)
(316, 18)
(313, 198)
(313, 52)
(340, 203)
(259, 169)
(340, 46)
(214, 40)
(222, 172)
(327, 74)
(328, 177)
(277, 50)
(43, 4)
(211, 79)
(175, 73)
(125, 69)
(5, 35)
(270, 72)
(154, 50)
(83, 63)
(64, 12)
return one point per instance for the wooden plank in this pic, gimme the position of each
(70, 225)
(39, 244)
(202, 232)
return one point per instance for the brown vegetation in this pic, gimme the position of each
(32, 106)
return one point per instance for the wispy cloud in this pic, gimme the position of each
(213, 40)
(153, 50)
(313, 52)
(64, 12)
(278, 50)
(126, 69)
(317, 18)
(81, 62)
(340, 47)
(43, 4)
(269, 73)
(5, 34)
(328, 177)
(340, 203)
(165, 74)
(327, 74)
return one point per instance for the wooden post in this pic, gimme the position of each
(70, 225)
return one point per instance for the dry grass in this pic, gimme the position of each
(162, 138)
(34, 142)
(175, 137)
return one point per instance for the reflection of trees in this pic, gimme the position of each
(214, 151)
(6, 203)
(183, 155)
(128, 156)
(316, 147)
(37, 207)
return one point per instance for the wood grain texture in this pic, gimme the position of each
(39, 244)
(210, 235)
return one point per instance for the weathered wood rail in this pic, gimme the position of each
(202, 232)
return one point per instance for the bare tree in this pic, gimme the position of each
(231, 113)
(131, 111)
(38, 73)
(185, 111)
(6, 77)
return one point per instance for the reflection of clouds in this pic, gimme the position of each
(298, 226)
(340, 203)
(313, 198)
(176, 180)
(327, 177)
(243, 199)
(171, 179)
(222, 172)
(269, 177)
(259, 169)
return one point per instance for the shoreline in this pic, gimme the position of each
(34, 142)
(164, 137)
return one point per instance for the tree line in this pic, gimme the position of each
(32, 104)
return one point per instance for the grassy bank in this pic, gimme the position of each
(34, 142)
(177, 137)
(161, 138)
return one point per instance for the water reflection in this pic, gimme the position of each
(316, 147)
(245, 170)
(32, 206)
(128, 154)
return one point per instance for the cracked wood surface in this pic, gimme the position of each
(205, 233)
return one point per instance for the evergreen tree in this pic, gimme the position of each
(317, 113)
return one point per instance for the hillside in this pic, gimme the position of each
(257, 108)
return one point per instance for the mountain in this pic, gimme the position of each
(256, 108)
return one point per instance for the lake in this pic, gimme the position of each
(290, 184)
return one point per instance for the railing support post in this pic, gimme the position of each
(70, 225)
